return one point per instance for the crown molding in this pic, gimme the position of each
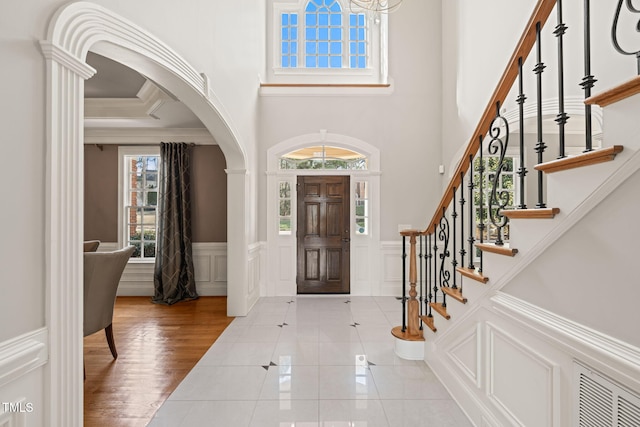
(146, 136)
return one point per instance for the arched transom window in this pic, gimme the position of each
(324, 157)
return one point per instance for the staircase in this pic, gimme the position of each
(497, 304)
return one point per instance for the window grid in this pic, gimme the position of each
(289, 40)
(357, 41)
(284, 207)
(141, 206)
(323, 34)
(331, 38)
(362, 207)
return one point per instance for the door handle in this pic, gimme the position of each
(346, 240)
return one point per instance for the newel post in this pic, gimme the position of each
(413, 309)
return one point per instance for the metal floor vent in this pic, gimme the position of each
(602, 403)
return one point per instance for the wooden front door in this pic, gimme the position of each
(323, 235)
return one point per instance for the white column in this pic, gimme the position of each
(237, 242)
(64, 235)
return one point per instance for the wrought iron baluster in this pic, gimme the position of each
(454, 259)
(540, 146)
(498, 200)
(588, 81)
(429, 276)
(562, 116)
(463, 252)
(435, 268)
(614, 31)
(522, 170)
(420, 257)
(481, 226)
(443, 236)
(404, 283)
(471, 239)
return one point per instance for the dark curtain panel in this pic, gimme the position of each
(174, 278)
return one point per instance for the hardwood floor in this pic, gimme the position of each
(157, 346)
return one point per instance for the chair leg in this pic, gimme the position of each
(112, 344)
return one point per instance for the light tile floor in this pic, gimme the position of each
(311, 361)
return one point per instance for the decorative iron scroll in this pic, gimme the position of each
(614, 30)
(443, 236)
(498, 199)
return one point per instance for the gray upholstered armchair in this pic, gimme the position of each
(91, 245)
(102, 272)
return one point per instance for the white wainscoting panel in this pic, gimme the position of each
(391, 264)
(257, 272)
(209, 263)
(22, 354)
(466, 352)
(511, 363)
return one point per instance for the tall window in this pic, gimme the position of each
(327, 38)
(362, 207)
(284, 207)
(140, 179)
(324, 41)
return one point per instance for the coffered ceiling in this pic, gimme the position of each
(119, 97)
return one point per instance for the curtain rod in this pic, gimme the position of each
(101, 146)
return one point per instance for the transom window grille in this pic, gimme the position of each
(141, 204)
(362, 207)
(506, 183)
(324, 157)
(324, 44)
(284, 207)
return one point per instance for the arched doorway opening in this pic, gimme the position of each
(74, 30)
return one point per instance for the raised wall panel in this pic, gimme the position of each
(511, 362)
(220, 268)
(467, 355)
(202, 268)
(209, 264)
(287, 269)
(360, 258)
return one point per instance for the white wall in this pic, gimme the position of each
(200, 32)
(404, 126)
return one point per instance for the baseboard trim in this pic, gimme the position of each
(22, 354)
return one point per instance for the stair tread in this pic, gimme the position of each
(580, 160)
(454, 293)
(497, 249)
(437, 306)
(541, 213)
(472, 273)
(615, 94)
(429, 321)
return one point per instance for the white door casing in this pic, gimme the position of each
(281, 249)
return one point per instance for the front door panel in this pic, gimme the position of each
(323, 235)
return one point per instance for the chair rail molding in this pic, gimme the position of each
(22, 354)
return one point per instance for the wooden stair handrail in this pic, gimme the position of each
(540, 14)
